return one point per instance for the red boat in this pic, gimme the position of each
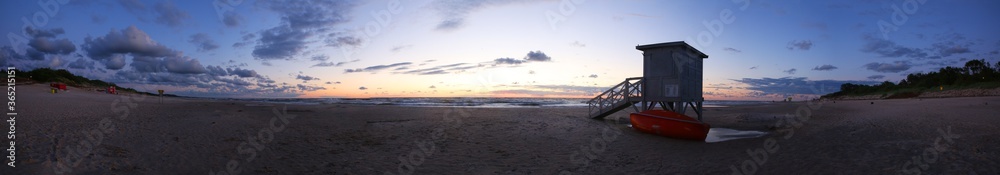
(670, 124)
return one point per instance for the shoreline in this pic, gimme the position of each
(193, 136)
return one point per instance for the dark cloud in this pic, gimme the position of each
(362, 88)
(305, 78)
(593, 76)
(242, 72)
(232, 19)
(950, 44)
(111, 48)
(170, 15)
(432, 87)
(754, 67)
(895, 67)
(280, 42)
(309, 88)
(509, 61)
(889, 49)
(731, 50)
(876, 77)
(801, 45)
(44, 41)
(790, 71)
(203, 42)
(795, 85)
(319, 58)
(300, 21)
(132, 6)
(81, 63)
(436, 72)
(171, 64)
(376, 68)
(537, 56)
(825, 67)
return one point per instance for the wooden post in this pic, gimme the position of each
(161, 95)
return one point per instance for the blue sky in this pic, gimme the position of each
(759, 50)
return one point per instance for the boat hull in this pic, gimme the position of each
(670, 124)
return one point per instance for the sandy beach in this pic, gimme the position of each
(85, 132)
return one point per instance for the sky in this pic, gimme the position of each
(758, 50)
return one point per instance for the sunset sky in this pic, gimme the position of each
(759, 50)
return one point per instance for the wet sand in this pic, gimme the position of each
(81, 132)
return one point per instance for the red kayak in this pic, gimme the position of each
(670, 124)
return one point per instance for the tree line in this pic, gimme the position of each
(975, 73)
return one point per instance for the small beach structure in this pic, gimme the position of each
(59, 86)
(672, 79)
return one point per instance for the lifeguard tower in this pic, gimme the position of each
(672, 78)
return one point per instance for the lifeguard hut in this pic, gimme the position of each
(672, 78)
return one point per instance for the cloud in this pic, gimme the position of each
(801, 45)
(305, 78)
(795, 85)
(336, 82)
(43, 41)
(203, 42)
(309, 88)
(593, 76)
(242, 72)
(825, 67)
(173, 64)
(81, 63)
(754, 67)
(889, 49)
(731, 50)
(232, 19)
(398, 48)
(111, 48)
(454, 12)
(169, 14)
(876, 77)
(537, 56)
(362, 88)
(432, 87)
(376, 67)
(895, 67)
(790, 71)
(530, 57)
(300, 22)
(328, 64)
(577, 44)
(319, 58)
(436, 72)
(132, 6)
(508, 61)
(280, 42)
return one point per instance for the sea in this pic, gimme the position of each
(472, 102)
